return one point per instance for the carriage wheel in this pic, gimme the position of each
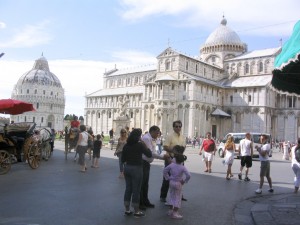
(34, 156)
(5, 163)
(27, 144)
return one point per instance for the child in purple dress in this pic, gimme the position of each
(177, 175)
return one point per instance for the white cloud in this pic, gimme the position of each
(2, 25)
(134, 57)
(252, 16)
(138, 9)
(29, 36)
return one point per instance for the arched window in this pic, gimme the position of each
(247, 68)
(187, 65)
(167, 65)
(206, 114)
(261, 67)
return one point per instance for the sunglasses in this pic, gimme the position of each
(177, 126)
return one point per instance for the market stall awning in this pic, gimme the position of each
(286, 75)
(219, 113)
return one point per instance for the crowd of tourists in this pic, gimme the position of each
(137, 150)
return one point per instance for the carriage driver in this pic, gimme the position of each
(75, 123)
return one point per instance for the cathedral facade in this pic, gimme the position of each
(225, 89)
(43, 89)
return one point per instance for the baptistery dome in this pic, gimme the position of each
(40, 74)
(43, 89)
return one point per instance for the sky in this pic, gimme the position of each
(81, 39)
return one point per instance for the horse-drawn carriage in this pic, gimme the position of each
(20, 142)
(16, 145)
(71, 138)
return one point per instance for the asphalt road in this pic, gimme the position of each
(58, 194)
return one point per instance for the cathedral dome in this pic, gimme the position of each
(40, 75)
(223, 35)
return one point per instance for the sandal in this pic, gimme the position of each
(206, 170)
(139, 214)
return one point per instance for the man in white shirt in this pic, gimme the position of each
(264, 164)
(246, 153)
(150, 141)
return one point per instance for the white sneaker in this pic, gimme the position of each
(176, 215)
(258, 191)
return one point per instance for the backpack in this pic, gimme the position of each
(297, 153)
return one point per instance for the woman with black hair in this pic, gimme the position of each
(133, 171)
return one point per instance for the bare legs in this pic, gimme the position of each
(229, 173)
(95, 163)
(261, 182)
(208, 166)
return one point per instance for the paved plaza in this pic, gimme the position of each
(58, 194)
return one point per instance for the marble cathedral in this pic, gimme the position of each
(225, 89)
